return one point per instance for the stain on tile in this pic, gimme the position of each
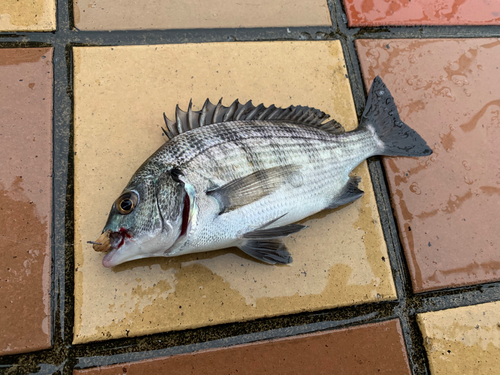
(25, 198)
(367, 349)
(422, 12)
(446, 204)
(464, 340)
(198, 14)
(120, 95)
(27, 15)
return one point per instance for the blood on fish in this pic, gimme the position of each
(124, 233)
(185, 215)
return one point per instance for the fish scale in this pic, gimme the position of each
(242, 175)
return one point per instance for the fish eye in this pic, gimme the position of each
(126, 203)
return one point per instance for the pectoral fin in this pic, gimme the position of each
(251, 188)
(349, 194)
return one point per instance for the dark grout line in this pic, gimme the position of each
(337, 30)
(458, 297)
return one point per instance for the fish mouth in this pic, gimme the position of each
(116, 241)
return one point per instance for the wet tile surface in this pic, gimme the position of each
(369, 349)
(422, 12)
(25, 198)
(177, 14)
(465, 340)
(120, 95)
(27, 15)
(446, 204)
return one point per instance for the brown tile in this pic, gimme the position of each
(198, 14)
(369, 349)
(25, 198)
(120, 95)
(422, 12)
(27, 15)
(446, 204)
(465, 340)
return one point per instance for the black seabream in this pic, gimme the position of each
(243, 175)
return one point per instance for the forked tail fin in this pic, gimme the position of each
(381, 117)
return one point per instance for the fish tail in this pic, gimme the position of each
(393, 136)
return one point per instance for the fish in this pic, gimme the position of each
(244, 175)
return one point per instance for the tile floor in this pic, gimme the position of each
(338, 261)
(405, 280)
(463, 340)
(26, 198)
(28, 15)
(447, 89)
(198, 14)
(422, 12)
(367, 349)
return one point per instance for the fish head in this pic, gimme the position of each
(144, 221)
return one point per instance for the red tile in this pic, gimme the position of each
(25, 198)
(422, 12)
(369, 349)
(446, 205)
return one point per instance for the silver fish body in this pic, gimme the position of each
(245, 178)
(322, 163)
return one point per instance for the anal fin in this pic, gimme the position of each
(349, 194)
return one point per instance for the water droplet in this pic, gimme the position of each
(414, 188)
(468, 181)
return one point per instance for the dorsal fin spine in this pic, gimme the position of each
(231, 111)
(190, 115)
(218, 112)
(178, 119)
(203, 114)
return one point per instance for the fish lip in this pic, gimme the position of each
(107, 261)
(118, 239)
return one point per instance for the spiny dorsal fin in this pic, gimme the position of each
(213, 114)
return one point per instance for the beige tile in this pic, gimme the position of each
(120, 94)
(465, 340)
(196, 14)
(27, 15)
